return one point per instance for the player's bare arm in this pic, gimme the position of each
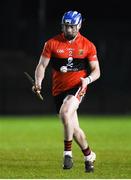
(95, 70)
(94, 75)
(40, 72)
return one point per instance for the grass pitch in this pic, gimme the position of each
(32, 148)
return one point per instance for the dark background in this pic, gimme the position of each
(26, 25)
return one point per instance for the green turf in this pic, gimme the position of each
(32, 147)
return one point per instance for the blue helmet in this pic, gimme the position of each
(72, 18)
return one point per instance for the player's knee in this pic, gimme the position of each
(64, 113)
(65, 110)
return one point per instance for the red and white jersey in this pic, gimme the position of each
(72, 54)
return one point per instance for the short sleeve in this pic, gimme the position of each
(92, 53)
(47, 50)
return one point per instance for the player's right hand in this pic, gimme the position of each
(83, 85)
(36, 89)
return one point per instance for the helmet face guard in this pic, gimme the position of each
(72, 18)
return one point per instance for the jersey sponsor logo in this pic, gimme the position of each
(70, 49)
(70, 63)
(60, 51)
